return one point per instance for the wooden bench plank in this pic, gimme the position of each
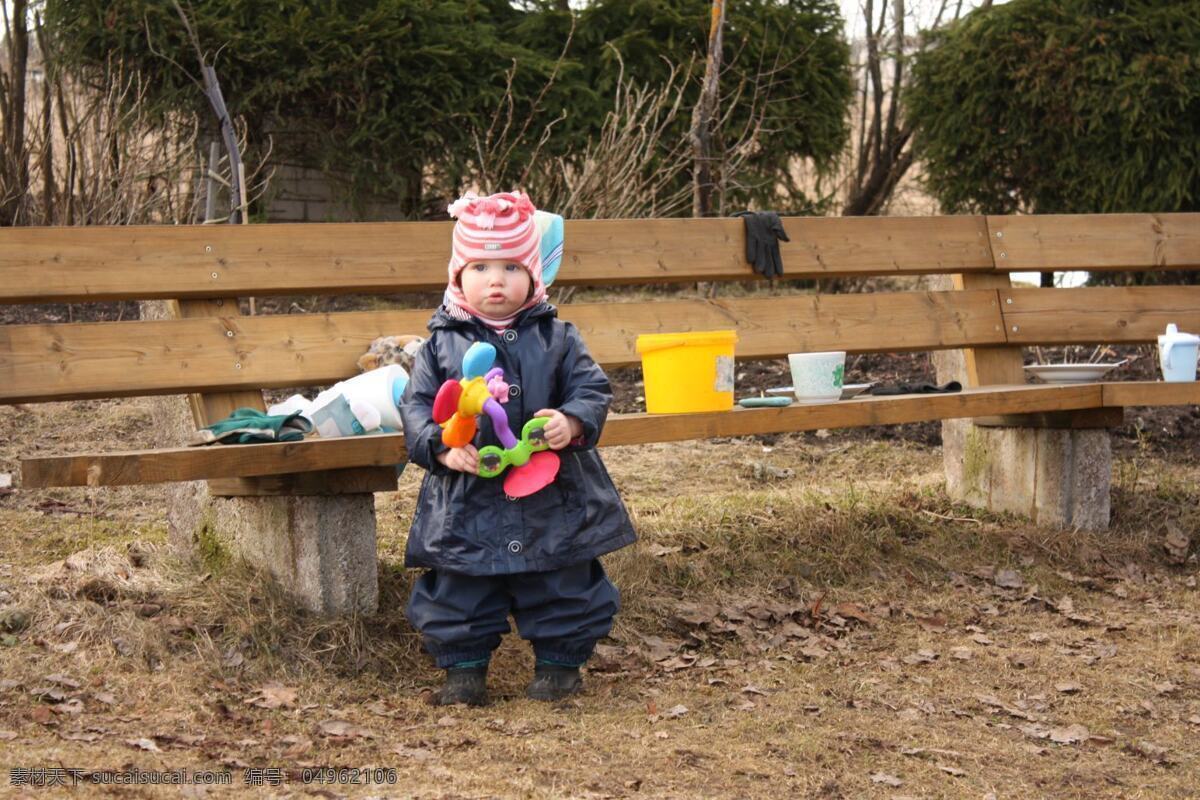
(199, 261)
(857, 412)
(154, 466)
(214, 461)
(1098, 314)
(1054, 242)
(1146, 393)
(117, 359)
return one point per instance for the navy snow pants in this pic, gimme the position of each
(563, 612)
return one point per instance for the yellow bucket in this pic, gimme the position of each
(688, 372)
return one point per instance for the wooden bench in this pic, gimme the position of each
(205, 348)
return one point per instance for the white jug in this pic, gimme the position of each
(1177, 354)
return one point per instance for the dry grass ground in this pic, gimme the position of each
(840, 631)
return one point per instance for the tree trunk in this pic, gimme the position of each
(884, 155)
(16, 158)
(703, 116)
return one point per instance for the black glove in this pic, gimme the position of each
(916, 388)
(764, 231)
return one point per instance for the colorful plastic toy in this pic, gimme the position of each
(481, 390)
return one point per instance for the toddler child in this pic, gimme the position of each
(490, 555)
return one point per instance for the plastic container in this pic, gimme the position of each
(817, 377)
(1177, 354)
(686, 373)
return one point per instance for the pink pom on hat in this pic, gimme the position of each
(498, 226)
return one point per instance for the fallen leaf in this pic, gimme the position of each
(378, 708)
(962, 653)
(50, 693)
(1008, 579)
(921, 657)
(1038, 638)
(814, 651)
(854, 611)
(752, 689)
(1155, 753)
(72, 706)
(676, 663)
(982, 639)
(7, 736)
(1177, 543)
(659, 649)
(933, 624)
(955, 771)
(1022, 660)
(415, 753)
(1166, 688)
(661, 735)
(343, 729)
(63, 680)
(79, 736)
(886, 779)
(920, 751)
(1072, 734)
(1068, 687)
(675, 712)
(147, 610)
(143, 744)
(273, 695)
(447, 721)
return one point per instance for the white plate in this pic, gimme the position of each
(849, 390)
(854, 389)
(1071, 373)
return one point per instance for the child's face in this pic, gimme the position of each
(495, 287)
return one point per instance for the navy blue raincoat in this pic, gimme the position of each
(467, 524)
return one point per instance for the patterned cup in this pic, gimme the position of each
(817, 377)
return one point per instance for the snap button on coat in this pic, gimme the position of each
(514, 547)
(510, 336)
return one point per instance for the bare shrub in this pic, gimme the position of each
(90, 152)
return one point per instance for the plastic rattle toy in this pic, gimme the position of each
(481, 391)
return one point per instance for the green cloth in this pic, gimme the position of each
(249, 425)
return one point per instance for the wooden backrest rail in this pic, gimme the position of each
(197, 261)
(81, 360)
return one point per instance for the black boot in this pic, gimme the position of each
(463, 685)
(553, 682)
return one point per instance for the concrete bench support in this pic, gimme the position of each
(1058, 478)
(320, 548)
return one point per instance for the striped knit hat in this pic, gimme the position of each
(499, 226)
